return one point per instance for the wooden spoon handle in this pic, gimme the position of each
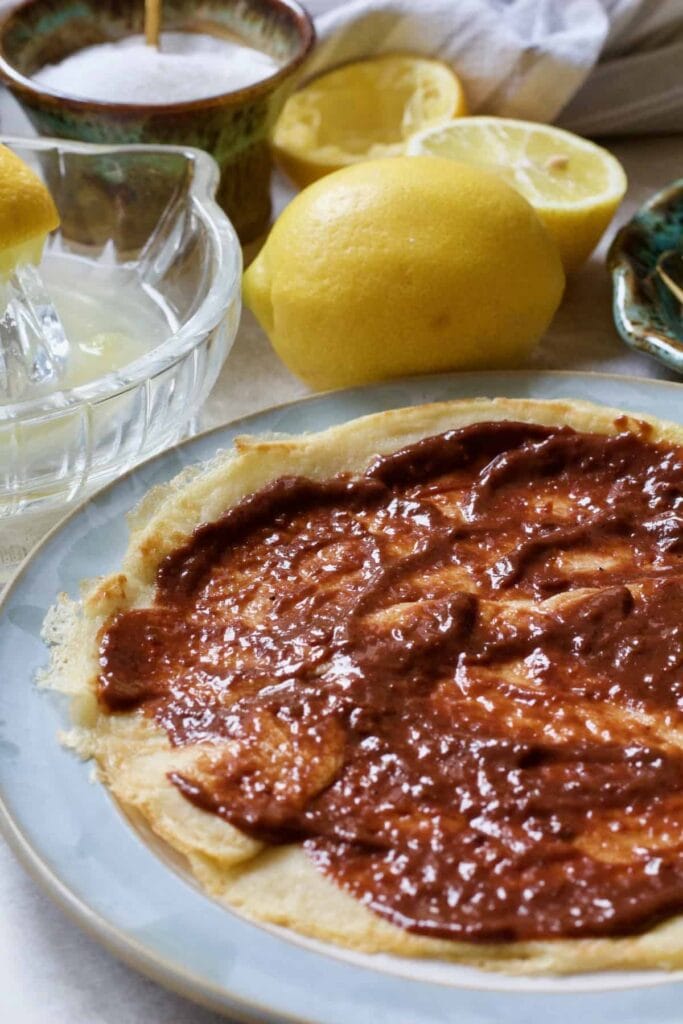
(152, 22)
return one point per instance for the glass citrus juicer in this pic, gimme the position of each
(110, 345)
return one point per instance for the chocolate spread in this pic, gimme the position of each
(456, 679)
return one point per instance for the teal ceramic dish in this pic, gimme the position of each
(647, 311)
(233, 127)
(119, 884)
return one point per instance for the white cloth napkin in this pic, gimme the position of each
(597, 67)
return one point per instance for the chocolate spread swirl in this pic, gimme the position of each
(456, 679)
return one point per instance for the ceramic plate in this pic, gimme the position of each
(119, 884)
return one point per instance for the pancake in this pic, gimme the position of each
(409, 685)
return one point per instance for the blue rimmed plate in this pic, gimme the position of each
(120, 884)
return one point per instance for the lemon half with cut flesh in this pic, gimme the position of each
(574, 185)
(362, 111)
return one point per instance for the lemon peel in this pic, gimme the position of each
(27, 213)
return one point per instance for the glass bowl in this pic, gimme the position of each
(141, 221)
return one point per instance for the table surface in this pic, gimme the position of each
(52, 972)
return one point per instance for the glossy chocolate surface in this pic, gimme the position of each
(457, 679)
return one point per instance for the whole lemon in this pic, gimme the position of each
(404, 265)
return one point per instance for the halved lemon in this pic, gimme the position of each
(574, 185)
(27, 213)
(363, 111)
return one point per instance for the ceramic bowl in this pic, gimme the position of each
(647, 311)
(233, 127)
(144, 216)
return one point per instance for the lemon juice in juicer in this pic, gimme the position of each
(65, 321)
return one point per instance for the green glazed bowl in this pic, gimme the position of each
(233, 127)
(647, 313)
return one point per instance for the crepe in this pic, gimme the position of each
(279, 884)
